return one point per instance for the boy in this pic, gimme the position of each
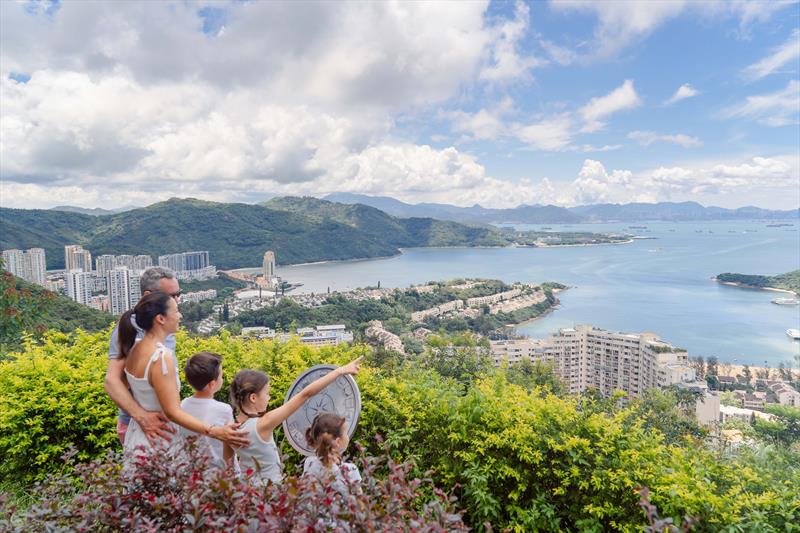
(203, 371)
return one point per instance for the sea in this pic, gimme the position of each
(662, 282)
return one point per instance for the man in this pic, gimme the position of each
(154, 424)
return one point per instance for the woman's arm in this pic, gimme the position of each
(168, 397)
(274, 418)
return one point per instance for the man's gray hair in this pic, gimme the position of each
(151, 278)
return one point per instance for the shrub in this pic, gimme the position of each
(517, 458)
(52, 399)
(176, 490)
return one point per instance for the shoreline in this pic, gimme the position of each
(403, 250)
(753, 287)
(549, 310)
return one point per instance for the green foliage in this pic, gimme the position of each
(789, 281)
(536, 374)
(52, 398)
(521, 458)
(27, 308)
(784, 428)
(224, 285)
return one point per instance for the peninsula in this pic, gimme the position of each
(788, 282)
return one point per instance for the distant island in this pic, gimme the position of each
(299, 230)
(789, 281)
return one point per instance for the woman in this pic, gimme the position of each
(151, 373)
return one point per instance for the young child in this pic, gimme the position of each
(250, 397)
(329, 437)
(203, 371)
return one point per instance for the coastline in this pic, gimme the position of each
(753, 287)
(550, 309)
(402, 251)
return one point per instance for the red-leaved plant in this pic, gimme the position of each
(177, 490)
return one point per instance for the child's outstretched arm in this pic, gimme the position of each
(274, 418)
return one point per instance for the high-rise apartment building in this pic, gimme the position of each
(76, 258)
(35, 266)
(104, 263)
(29, 265)
(269, 267)
(13, 261)
(79, 285)
(124, 260)
(189, 265)
(142, 262)
(590, 358)
(118, 282)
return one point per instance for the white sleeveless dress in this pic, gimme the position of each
(144, 393)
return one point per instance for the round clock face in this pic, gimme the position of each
(341, 397)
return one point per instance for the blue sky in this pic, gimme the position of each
(501, 103)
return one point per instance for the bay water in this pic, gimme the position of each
(662, 284)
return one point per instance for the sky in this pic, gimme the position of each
(112, 104)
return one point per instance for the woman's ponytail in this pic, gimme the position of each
(126, 334)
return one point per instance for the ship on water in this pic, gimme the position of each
(794, 333)
(786, 301)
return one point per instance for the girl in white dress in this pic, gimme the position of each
(329, 436)
(260, 461)
(150, 371)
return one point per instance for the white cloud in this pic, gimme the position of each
(621, 23)
(646, 138)
(552, 134)
(507, 64)
(621, 98)
(684, 91)
(781, 108)
(780, 56)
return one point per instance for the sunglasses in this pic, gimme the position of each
(176, 295)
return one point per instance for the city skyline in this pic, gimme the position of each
(492, 103)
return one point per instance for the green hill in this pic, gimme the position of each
(400, 232)
(30, 307)
(237, 235)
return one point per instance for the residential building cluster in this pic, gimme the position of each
(189, 265)
(388, 339)
(454, 305)
(518, 302)
(493, 298)
(587, 357)
(29, 265)
(325, 335)
(199, 296)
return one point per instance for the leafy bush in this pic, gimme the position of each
(51, 399)
(177, 490)
(519, 458)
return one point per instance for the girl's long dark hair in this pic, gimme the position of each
(149, 307)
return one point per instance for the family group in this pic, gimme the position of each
(143, 380)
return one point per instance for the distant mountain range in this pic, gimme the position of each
(551, 214)
(299, 230)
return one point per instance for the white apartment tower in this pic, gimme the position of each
(104, 263)
(79, 285)
(118, 281)
(35, 266)
(142, 262)
(13, 261)
(29, 265)
(76, 258)
(269, 266)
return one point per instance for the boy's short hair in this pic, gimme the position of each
(202, 368)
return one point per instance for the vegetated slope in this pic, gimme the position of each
(789, 281)
(236, 235)
(401, 232)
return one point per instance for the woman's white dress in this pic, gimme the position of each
(144, 393)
